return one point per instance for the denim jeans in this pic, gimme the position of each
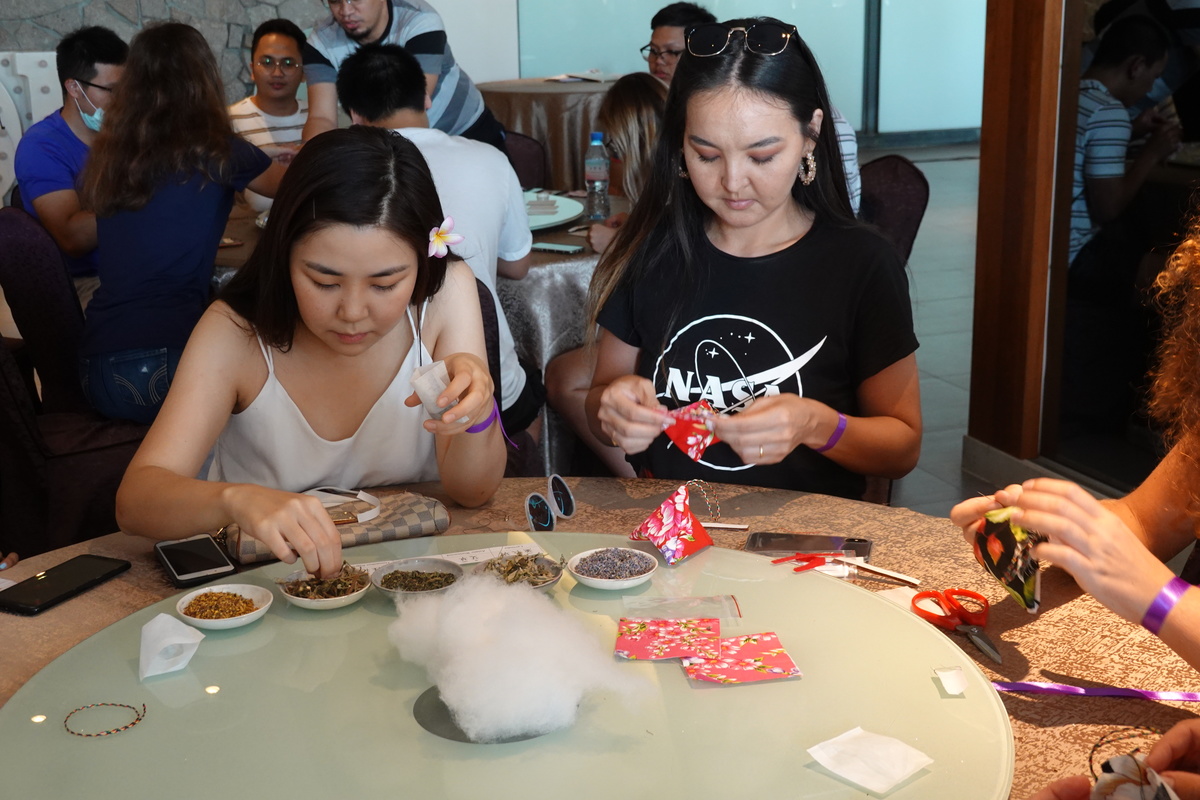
(130, 384)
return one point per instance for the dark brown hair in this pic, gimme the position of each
(167, 117)
(361, 176)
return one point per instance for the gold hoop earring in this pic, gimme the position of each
(808, 169)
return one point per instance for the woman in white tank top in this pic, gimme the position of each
(299, 375)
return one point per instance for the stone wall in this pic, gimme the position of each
(228, 25)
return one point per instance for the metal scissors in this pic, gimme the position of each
(955, 616)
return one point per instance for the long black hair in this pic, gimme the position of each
(667, 225)
(360, 176)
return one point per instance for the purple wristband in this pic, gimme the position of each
(487, 423)
(835, 436)
(1156, 614)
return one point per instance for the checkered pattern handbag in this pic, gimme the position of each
(401, 516)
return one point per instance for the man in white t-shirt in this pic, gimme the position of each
(273, 117)
(383, 85)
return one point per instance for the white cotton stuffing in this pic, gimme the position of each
(506, 660)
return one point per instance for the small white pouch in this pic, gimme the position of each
(429, 381)
(167, 645)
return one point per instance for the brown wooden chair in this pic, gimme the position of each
(528, 158)
(60, 462)
(895, 194)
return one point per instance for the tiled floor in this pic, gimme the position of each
(942, 281)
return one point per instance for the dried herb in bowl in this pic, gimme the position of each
(219, 605)
(415, 580)
(614, 563)
(523, 568)
(348, 581)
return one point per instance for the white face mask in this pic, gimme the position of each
(92, 120)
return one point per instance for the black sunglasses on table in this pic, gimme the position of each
(763, 38)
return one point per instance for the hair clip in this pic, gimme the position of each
(441, 238)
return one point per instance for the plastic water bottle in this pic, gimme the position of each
(595, 174)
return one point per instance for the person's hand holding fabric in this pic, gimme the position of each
(630, 413)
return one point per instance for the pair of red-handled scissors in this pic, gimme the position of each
(955, 616)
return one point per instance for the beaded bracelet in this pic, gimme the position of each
(1156, 614)
(140, 715)
(487, 423)
(835, 436)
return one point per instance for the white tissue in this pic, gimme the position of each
(167, 645)
(876, 763)
(952, 678)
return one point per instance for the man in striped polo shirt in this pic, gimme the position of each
(273, 117)
(1107, 333)
(457, 106)
(1128, 60)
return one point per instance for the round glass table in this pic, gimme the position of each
(318, 703)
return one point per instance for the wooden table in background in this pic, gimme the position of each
(559, 115)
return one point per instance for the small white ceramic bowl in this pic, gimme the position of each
(324, 604)
(481, 569)
(611, 583)
(422, 564)
(258, 595)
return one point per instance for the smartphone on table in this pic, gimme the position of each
(785, 544)
(195, 560)
(61, 582)
(554, 247)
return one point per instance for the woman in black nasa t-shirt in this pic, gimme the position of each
(742, 274)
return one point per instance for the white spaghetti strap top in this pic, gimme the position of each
(270, 443)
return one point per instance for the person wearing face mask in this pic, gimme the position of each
(53, 152)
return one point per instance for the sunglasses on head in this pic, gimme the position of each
(558, 501)
(763, 38)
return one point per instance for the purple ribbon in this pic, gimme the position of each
(1094, 691)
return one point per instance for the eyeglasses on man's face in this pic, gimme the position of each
(286, 65)
(650, 53)
(762, 38)
(96, 85)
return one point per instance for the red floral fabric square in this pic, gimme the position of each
(654, 639)
(745, 659)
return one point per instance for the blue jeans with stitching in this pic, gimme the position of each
(130, 384)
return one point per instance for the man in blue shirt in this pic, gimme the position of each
(52, 153)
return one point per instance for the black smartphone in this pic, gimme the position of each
(784, 544)
(62, 582)
(197, 559)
